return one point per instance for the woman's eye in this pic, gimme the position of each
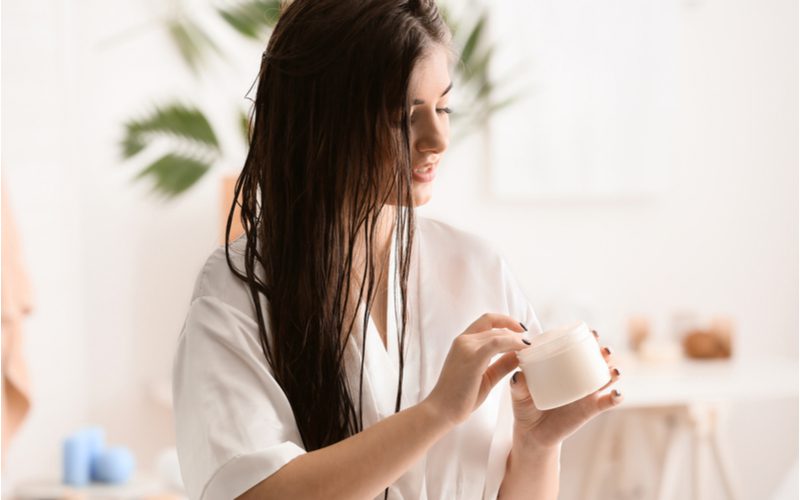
(444, 110)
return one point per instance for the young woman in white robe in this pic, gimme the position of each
(445, 315)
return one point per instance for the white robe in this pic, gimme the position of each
(235, 425)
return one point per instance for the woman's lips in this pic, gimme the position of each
(425, 173)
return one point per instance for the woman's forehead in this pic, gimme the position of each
(430, 78)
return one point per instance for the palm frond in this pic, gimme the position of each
(479, 87)
(244, 126)
(478, 66)
(174, 173)
(173, 121)
(475, 36)
(191, 40)
(449, 19)
(251, 18)
(495, 107)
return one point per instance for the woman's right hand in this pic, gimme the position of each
(467, 377)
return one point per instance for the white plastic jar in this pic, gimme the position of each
(563, 365)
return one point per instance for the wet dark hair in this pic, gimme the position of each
(329, 147)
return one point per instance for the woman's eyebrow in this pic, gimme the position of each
(420, 101)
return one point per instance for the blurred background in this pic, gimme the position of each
(636, 162)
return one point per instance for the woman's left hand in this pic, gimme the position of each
(537, 429)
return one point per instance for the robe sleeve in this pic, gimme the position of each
(518, 307)
(234, 424)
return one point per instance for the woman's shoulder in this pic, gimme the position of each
(217, 281)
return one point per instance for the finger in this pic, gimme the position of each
(615, 373)
(607, 352)
(488, 334)
(490, 344)
(496, 342)
(521, 400)
(610, 400)
(500, 368)
(596, 335)
(590, 406)
(519, 388)
(491, 320)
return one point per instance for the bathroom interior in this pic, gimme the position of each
(635, 163)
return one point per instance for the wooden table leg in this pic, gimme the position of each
(671, 458)
(721, 459)
(597, 460)
(698, 469)
(696, 425)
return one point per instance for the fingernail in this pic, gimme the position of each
(617, 372)
(607, 349)
(523, 326)
(596, 334)
(616, 393)
(527, 341)
(514, 378)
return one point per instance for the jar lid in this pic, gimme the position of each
(554, 341)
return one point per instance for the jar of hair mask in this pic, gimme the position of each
(563, 365)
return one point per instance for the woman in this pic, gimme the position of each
(342, 347)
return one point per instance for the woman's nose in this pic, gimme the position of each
(432, 137)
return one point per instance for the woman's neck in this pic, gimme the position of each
(381, 246)
(381, 249)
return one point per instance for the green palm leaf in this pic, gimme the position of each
(480, 89)
(502, 104)
(186, 129)
(191, 41)
(174, 173)
(251, 18)
(475, 36)
(477, 68)
(244, 126)
(449, 19)
(174, 121)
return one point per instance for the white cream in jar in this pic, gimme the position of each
(563, 365)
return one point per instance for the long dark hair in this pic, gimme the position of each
(329, 148)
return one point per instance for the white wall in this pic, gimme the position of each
(44, 185)
(113, 270)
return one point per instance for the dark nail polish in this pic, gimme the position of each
(514, 378)
(596, 334)
(607, 349)
(527, 341)
(617, 372)
(616, 393)
(523, 326)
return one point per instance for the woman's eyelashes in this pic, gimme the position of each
(441, 111)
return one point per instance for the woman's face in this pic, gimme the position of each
(429, 123)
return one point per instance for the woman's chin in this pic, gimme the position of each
(422, 193)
